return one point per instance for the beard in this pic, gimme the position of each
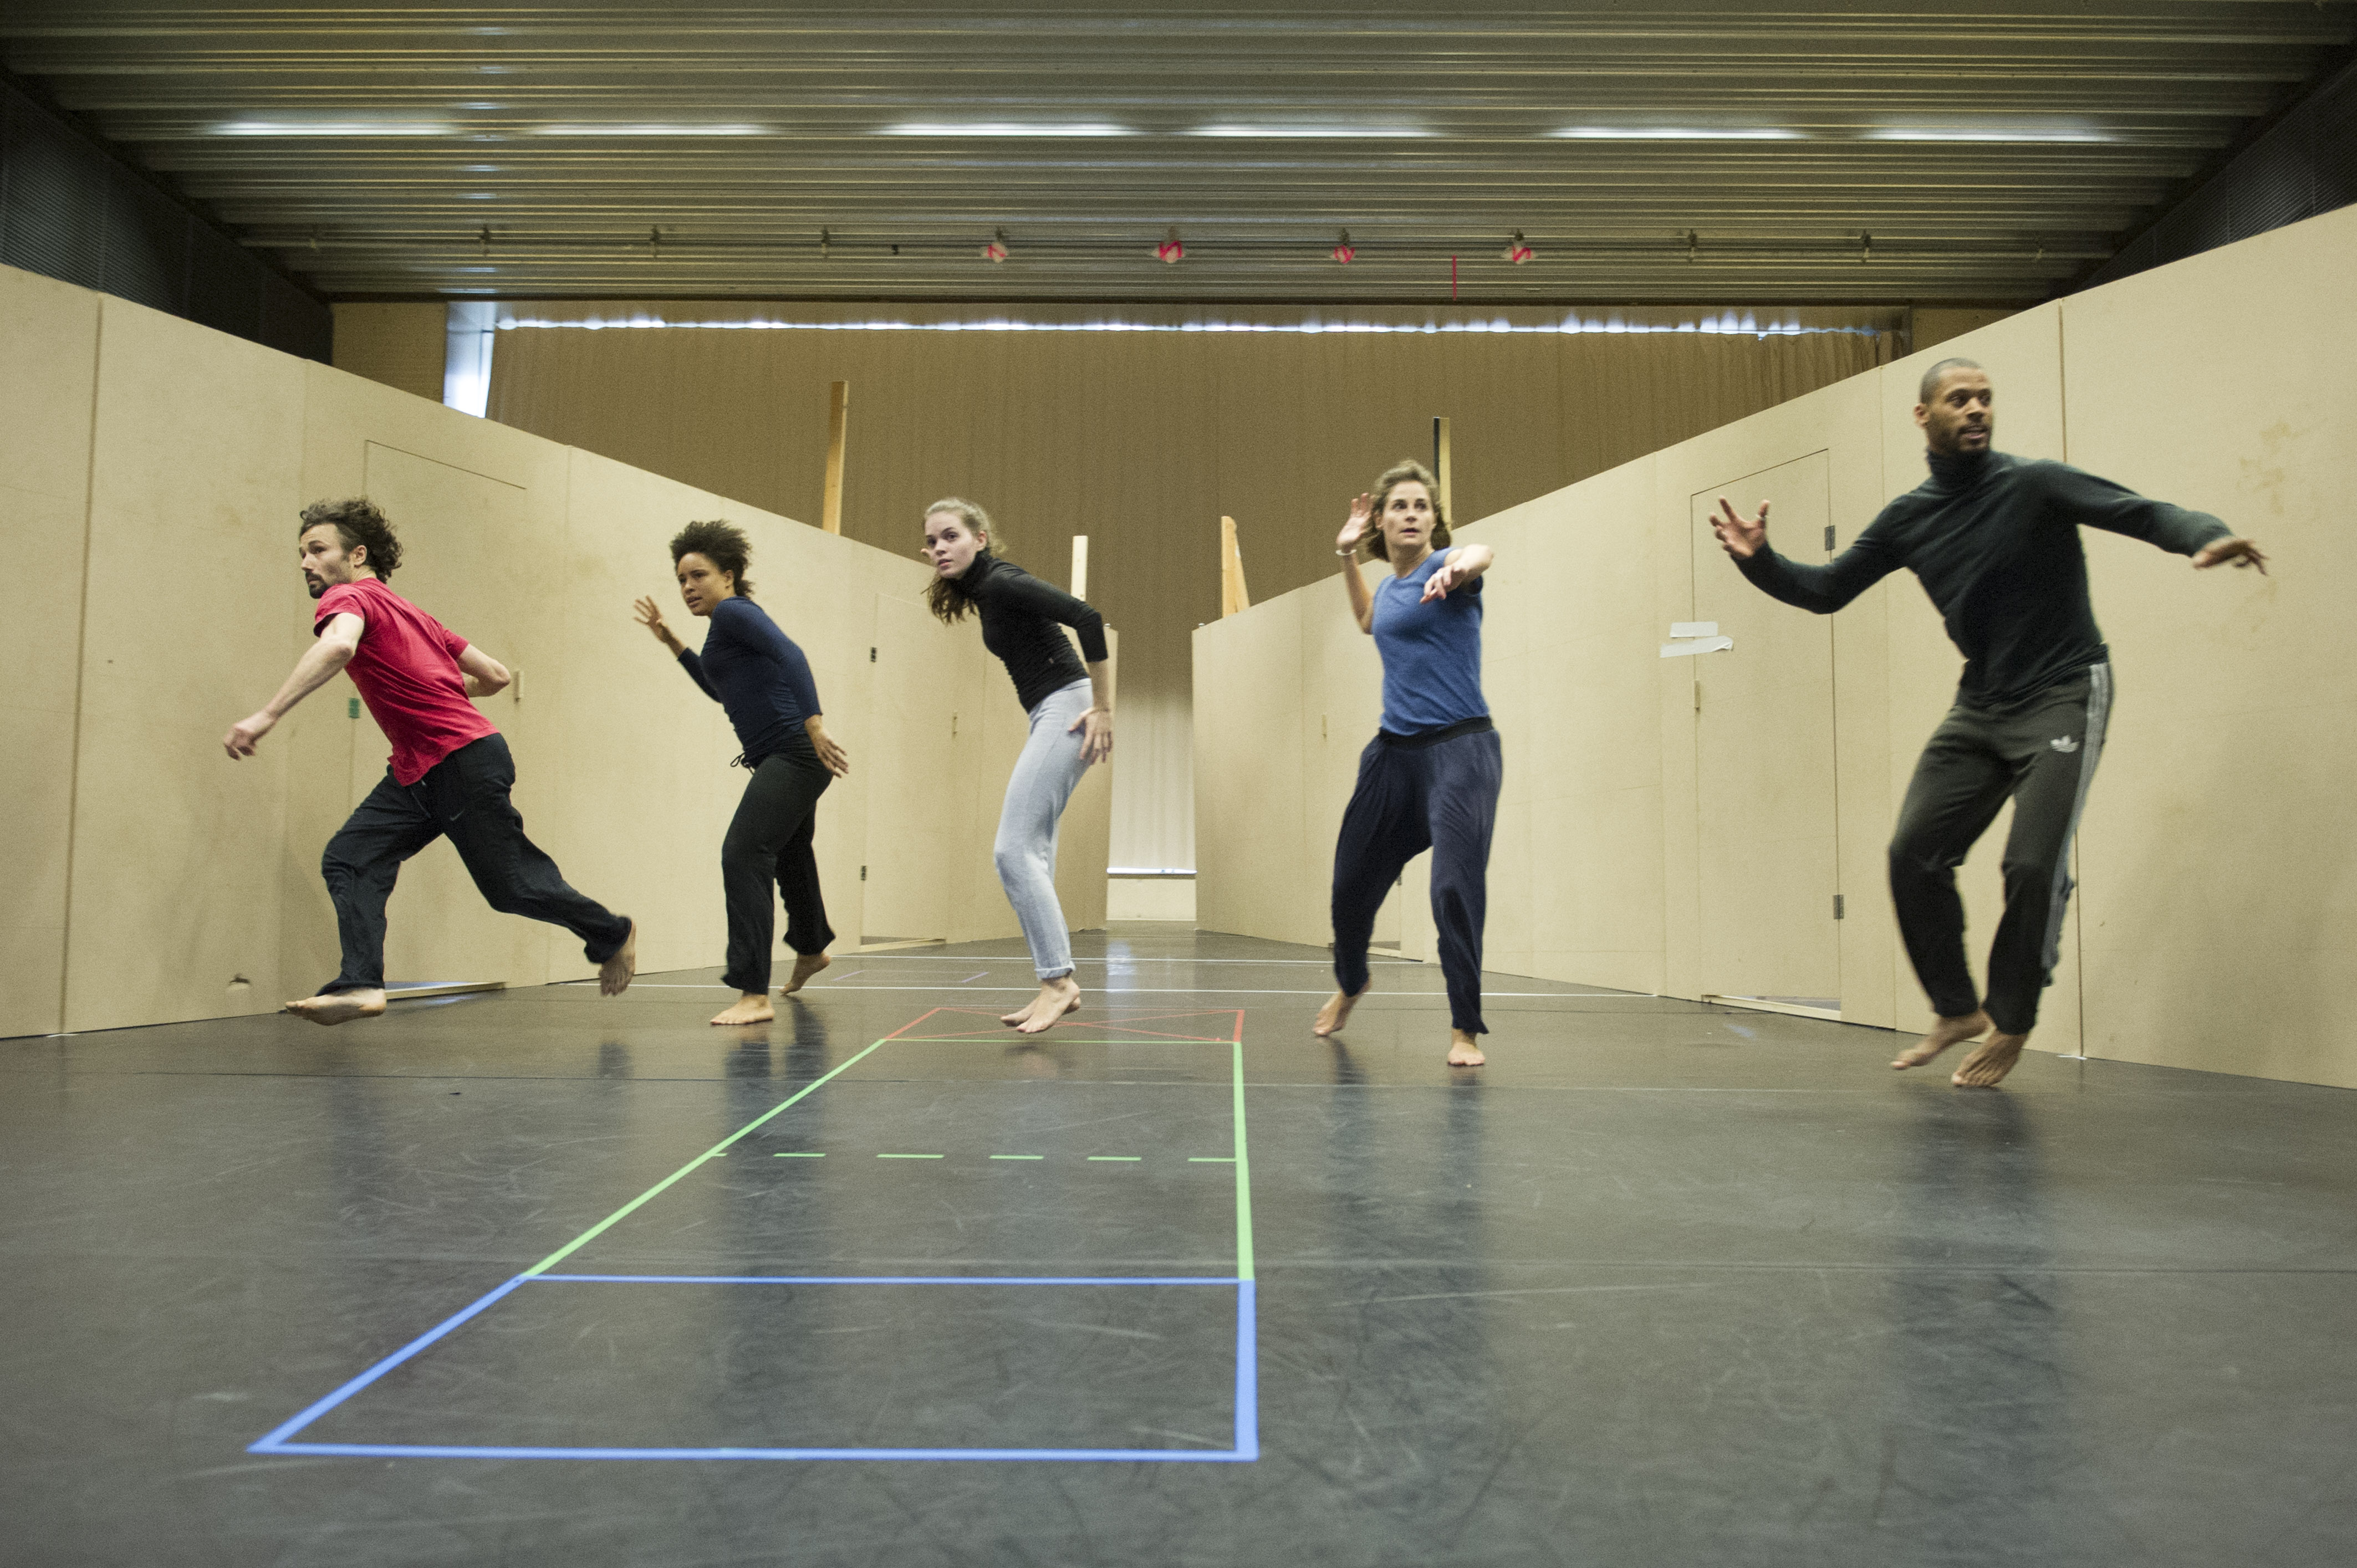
(317, 588)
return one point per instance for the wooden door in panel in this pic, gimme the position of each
(463, 537)
(912, 777)
(1764, 757)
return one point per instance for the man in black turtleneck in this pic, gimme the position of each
(1995, 541)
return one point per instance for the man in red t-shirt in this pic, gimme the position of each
(450, 771)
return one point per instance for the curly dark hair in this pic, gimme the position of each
(358, 521)
(1400, 473)
(722, 544)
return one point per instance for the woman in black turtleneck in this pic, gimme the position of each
(1023, 622)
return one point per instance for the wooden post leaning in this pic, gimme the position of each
(1233, 600)
(837, 414)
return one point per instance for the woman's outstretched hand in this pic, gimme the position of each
(1362, 516)
(649, 614)
(1449, 575)
(1097, 738)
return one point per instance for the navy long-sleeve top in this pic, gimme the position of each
(1021, 616)
(755, 671)
(1995, 541)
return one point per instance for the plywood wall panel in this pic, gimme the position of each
(177, 849)
(49, 365)
(2220, 910)
(1589, 739)
(1250, 839)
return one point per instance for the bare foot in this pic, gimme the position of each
(1337, 1013)
(1987, 1067)
(614, 975)
(1464, 1050)
(752, 1007)
(1945, 1032)
(805, 965)
(1056, 998)
(339, 1007)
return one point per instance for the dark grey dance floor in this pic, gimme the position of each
(537, 1278)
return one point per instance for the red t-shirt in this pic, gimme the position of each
(407, 670)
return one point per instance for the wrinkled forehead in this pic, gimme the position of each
(1410, 491)
(1968, 378)
(323, 532)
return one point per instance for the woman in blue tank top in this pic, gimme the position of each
(1429, 779)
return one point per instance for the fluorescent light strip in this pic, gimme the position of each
(601, 130)
(1676, 133)
(1004, 128)
(1903, 134)
(1329, 133)
(334, 128)
(1728, 324)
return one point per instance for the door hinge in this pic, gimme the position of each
(1838, 908)
(871, 652)
(1697, 697)
(863, 874)
(1829, 539)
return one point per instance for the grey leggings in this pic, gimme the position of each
(1045, 777)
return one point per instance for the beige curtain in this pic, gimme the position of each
(1141, 440)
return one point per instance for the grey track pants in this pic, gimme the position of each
(2042, 757)
(1045, 777)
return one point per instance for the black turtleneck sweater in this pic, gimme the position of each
(1021, 617)
(1995, 541)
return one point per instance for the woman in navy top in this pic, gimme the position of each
(1429, 779)
(754, 672)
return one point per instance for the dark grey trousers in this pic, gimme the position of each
(465, 797)
(2042, 757)
(768, 845)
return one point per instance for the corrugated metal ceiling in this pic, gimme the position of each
(1837, 152)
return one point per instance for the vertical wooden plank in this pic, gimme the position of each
(838, 412)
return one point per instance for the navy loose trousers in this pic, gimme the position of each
(1418, 793)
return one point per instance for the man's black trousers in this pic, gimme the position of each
(2042, 756)
(1417, 792)
(768, 845)
(464, 796)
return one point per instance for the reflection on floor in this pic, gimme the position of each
(533, 1277)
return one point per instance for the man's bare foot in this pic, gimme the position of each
(1464, 1050)
(1336, 1012)
(1945, 1032)
(1056, 998)
(339, 1007)
(1987, 1067)
(614, 975)
(805, 965)
(752, 1007)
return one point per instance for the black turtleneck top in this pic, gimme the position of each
(1020, 621)
(1995, 541)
